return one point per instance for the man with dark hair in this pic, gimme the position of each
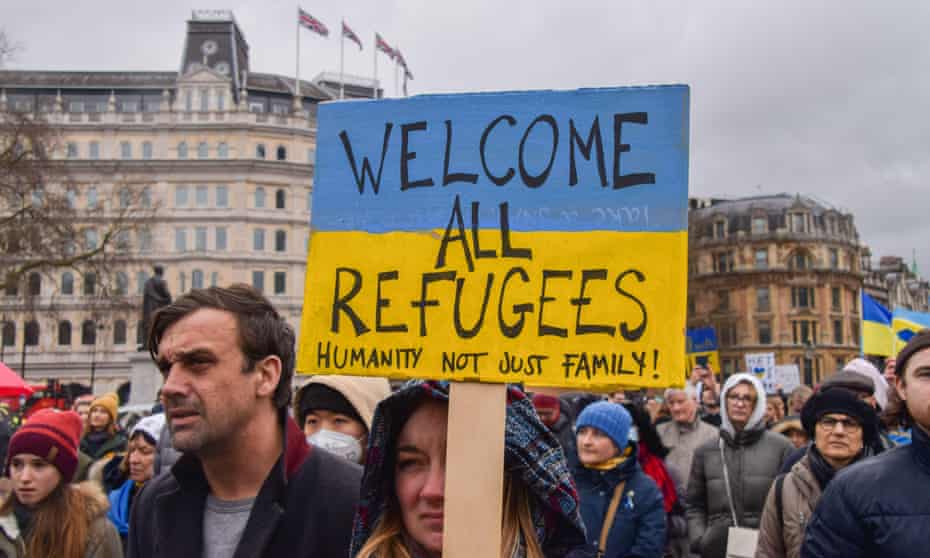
(881, 507)
(248, 484)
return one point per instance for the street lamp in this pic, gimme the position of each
(93, 355)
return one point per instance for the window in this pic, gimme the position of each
(180, 240)
(90, 284)
(723, 298)
(197, 279)
(259, 197)
(94, 150)
(311, 155)
(802, 297)
(31, 333)
(797, 222)
(760, 225)
(72, 150)
(220, 100)
(221, 238)
(837, 332)
(799, 260)
(88, 333)
(188, 100)
(204, 100)
(727, 334)
(723, 262)
(258, 239)
(146, 150)
(201, 196)
(202, 150)
(9, 334)
(764, 328)
(260, 151)
(125, 150)
(129, 106)
(75, 106)
(119, 332)
(854, 330)
(720, 229)
(35, 284)
(90, 239)
(71, 198)
(121, 239)
(64, 333)
(805, 332)
(214, 278)
(37, 197)
(122, 283)
(200, 239)
(92, 198)
(280, 282)
(855, 301)
(763, 302)
(280, 241)
(67, 283)
(258, 281)
(762, 258)
(834, 258)
(145, 240)
(180, 196)
(222, 196)
(282, 153)
(183, 282)
(12, 289)
(182, 150)
(256, 106)
(124, 198)
(222, 150)
(835, 298)
(146, 197)
(280, 198)
(141, 278)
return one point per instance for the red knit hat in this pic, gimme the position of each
(52, 435)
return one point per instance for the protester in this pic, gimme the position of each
(774, 410)
(684, 433)
(556, 415)
(401, 509)
(864, 368)
(336, 411)
(248, 483)
(102, 438)
(797, 399)
(81, 406)
(45, 515)
(889, 372)
(865, 386)
(792, 429)
(842, 428)
(881, 507)
(740, 465)
(710, 407)
(138, 466)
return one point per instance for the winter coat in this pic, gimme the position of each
(102, 539)
(879, 507)
(116, 443)
(532, 456)
(753, 457)
(303, 509)
(639, 524)
(683, 440)
(781, 534)
(165, 454)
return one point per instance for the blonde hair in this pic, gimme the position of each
(386, 540)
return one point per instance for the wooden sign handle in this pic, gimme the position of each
(474, 490)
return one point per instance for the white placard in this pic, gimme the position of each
(763, 366)
(787, 376)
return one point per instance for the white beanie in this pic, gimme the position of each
(151, 426)
(865, 368)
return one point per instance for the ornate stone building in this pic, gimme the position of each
(894, 284)
(777, 274)
(225, 155)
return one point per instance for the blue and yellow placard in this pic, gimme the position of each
(536, 237)
(701, 349)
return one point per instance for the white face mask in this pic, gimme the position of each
(343, 445)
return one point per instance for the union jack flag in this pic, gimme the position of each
(382, 45)
(312, 23)
(349, 34)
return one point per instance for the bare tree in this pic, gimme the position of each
(7, 48)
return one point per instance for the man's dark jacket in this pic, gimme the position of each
(302, 510)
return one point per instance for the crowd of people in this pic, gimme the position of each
(235, 463)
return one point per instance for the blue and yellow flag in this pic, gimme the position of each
(701, 348)
(877, 338)
(906, 324)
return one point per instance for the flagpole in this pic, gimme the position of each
(342, 47)
(396, 66)
(374, 89)
(298, 104)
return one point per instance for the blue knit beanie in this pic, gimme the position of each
(610, 418)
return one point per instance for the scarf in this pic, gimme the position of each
(655, 469)
(23, 517)
(612, 463)
(823, 471)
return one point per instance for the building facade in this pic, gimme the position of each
(894, 284)
(225, 157)
(778, 274)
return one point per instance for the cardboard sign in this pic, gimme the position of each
(701, 348)
(786, 376)
(535, 237)
(763, 366)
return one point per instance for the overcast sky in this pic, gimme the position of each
(828, 98)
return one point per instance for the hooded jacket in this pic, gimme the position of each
(361, 392)
(532, 456)
(753, 456)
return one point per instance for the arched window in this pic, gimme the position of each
(182, 150)
(260, 151)
(222, 151)
(9, 334)
(146, 150)
(35, 284)
(202, 150)
(280, 241)
(119, 332)
(280, 199)
(282, 153)
(259, 197)
(122, 283)
(800, 259)
(197, 279)
(64, 333)
(31, 331)
(88, 333)
(67, 283)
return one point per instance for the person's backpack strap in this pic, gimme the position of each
(779, 484)
(609, 519)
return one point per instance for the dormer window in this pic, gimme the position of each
(760, 225)
(720, 229)
(797, 222)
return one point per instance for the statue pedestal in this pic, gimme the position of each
(145, 377)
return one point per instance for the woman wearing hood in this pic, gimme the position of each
(731, 476)
(622, 507)
(400, 514)
(843, 428)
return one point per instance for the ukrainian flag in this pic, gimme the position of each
(877, 338)
(906, 324)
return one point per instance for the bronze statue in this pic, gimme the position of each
(155, 296)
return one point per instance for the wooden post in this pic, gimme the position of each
(474, 491)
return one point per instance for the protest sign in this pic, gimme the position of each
(786, 376)
(701, 349)
(534, 237)
(763, 366)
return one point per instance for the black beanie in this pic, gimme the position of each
(917, 343)
(317, 397)
(844, 402)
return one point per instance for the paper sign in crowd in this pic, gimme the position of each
(535, 237)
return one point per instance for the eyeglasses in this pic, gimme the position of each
(829, 423)
(745, 399)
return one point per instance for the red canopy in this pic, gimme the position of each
(11, 384)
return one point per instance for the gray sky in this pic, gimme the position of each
(828, 98)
